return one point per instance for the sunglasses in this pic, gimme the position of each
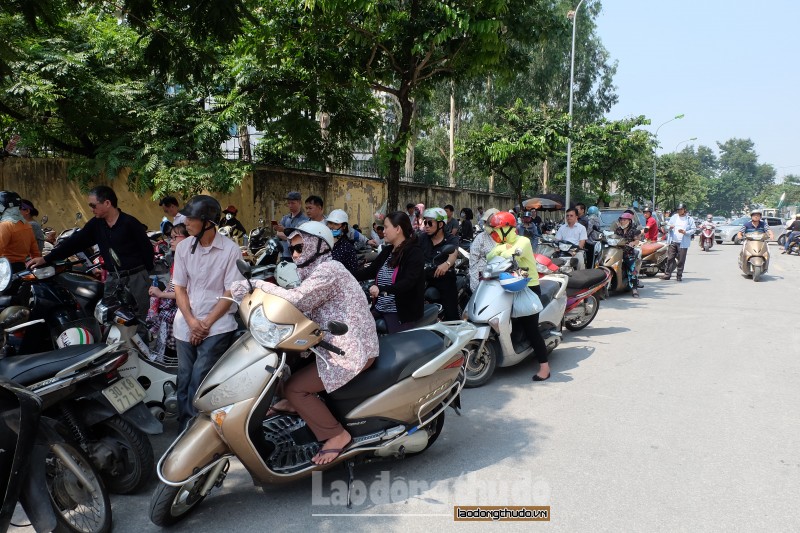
(429, 222)
(296, 248)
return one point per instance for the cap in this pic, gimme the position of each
(294, 195)
(231, 209)
(27, 204)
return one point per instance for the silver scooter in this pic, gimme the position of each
(497, 342)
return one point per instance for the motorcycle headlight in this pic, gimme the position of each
(5, 273)
(266, 332)
(101, 313)
(44, 272)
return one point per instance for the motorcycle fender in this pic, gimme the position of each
(757, 261)
(483, 332)
(196, 448)
(141, 417)
(33, 496)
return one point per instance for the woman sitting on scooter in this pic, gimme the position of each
(504, 233)
(327, 292)
(630, 233)
(399, 289)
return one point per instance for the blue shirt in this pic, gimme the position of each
(288, 221)
(749, 227)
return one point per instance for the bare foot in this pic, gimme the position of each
(332, 448)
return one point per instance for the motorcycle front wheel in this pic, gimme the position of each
(591, 305)
(481, 362)
(170, 505)
(80, 507)
(757, 272)
(782, 240)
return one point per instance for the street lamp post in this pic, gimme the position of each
(572, 15)
(686, 141)
(655, 156)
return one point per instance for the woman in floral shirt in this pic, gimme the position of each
(327, 292)
(630, 233)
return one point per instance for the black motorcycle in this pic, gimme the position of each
(42, 469)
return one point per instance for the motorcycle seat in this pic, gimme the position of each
(399, 356)
(30, 369)
(584, 279)
(650, 248)
(549, 290)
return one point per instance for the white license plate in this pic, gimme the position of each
(124, 394)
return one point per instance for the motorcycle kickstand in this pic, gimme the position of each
(350, 466)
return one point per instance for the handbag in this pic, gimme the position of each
(526, 303)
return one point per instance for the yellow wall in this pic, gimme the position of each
(45, 183)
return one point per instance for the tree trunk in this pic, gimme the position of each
(451, 167)
(324, 123)
(412, 144)
(545, 177)
(396, 151)
(244, 143)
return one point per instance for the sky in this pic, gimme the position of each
(731, 67)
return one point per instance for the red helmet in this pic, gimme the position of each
(503, 219)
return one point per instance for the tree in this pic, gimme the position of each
(406, 47)
(612, 152)
(680, 180)
(741, 177)
(515, 143)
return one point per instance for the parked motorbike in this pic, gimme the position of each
(393, 409)
(654, 258)
(498, 342)
(706, 232)
(613, 248)
(80, 386)
(754, 256)
(42, 469)
(582, 304)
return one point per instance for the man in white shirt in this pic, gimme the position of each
(169, 204)
(575, 233)
(205, 269)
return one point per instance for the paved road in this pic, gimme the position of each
(674, 412)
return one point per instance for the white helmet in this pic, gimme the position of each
(74, 337)
(317, 229)
(436, 213)
(755, 212)
(338, 216)
(286, 275)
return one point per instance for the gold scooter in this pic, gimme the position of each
(754, 256)
(393, 409)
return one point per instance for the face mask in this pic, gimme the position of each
(336, 233)
(228, 216)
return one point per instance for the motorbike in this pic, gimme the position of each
(550, 247)
(754, 256)
(394, 409)
(80, 386)
(654, 258)
(612, 259)
(41, 290)
(794, 245)
(582, 304)
(42, 469)
(498, 342)
(706, 232)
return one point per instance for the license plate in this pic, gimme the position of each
(124, 394)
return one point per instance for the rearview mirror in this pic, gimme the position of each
(245, 268)
(44, 219)
(337, 328)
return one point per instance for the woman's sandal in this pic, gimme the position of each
(337, 451)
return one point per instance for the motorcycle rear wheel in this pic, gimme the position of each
(706, 246)
(78, 508)
(593, 305)
(136, 460)
(757, 272)
(169, 505)
(480, 363)
(782, 240)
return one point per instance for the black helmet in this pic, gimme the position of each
(9, 199)
(680, 206)
(203, 207)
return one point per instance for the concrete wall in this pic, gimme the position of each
(45, 183)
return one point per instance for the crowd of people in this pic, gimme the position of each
(195, 315)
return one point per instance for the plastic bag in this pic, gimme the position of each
(526, 303)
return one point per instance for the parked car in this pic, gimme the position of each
(728, 232)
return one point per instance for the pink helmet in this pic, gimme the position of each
(626, 216)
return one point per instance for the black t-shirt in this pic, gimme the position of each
(795, 226)
(429, 249)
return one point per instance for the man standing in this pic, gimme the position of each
(29, 212)
(681, 229)
(574, 233)
(122, 239)
(651, 226)
(583, 220)
(314, 209)
(527, 228)
(432, 239)
(205, 269)
(292, 220)
(170, 206)
(451, 227)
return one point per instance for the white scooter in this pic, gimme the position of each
(497, 342)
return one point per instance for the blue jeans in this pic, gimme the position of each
(789, 237)
(194, 362)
